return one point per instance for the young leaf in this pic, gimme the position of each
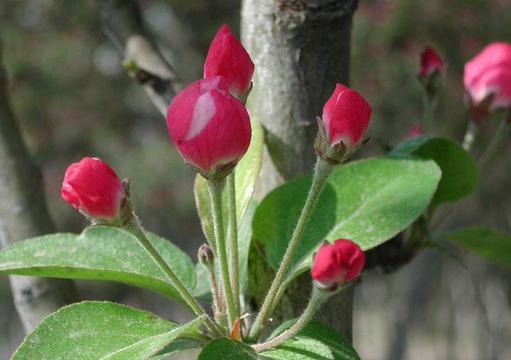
(487, 243)
(100, 330)
(99, 253)
(459, 171)
(368, 201)
(246, 173)
(300, 349)
(340, 348)
(226, 349)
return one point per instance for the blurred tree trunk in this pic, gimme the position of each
(23, 214)
(301, 48)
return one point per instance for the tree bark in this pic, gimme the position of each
(23, 214)
(301, 48)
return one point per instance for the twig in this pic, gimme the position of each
(123, 25)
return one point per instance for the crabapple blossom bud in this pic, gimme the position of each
(210, 127)
(487, 79)
(91, 186)
(205, 255)
(430, 62)
(431, 66)
(228, 58)
(337, 263)
(345, 119)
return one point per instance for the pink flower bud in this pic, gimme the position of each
(430, 62)
(345, 117)
(487, 79)
(94, 188)
(228, 58)
(415, 131)
(337, 263)
(210, 128)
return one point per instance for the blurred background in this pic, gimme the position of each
(72, 98)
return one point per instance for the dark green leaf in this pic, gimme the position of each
(487, 243)
(340, 348)
(459, 171)
(225, 349)
(99, 330)
(368, 201)
(99, 253)
(300, 349)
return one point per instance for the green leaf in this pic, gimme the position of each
(300, 349)
(150, 346)
(246, 174)
(340, 348)
(99, 253)
(459, 170)
(225, 349)
(409, 146)
(487, 243)
(368, 201)
(100, 330)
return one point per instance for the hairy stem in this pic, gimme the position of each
(134, 227)
(215, 187)
(232, 240)
(318, 297)
(321, 173)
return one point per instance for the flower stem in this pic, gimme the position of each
(498, 136)
(133, 226)
(427, 108)
(215, 190)
(321, 173)
(318, 297)
(470, 135)
(232, 240)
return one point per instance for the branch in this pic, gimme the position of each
(123, 25)
(23, 214)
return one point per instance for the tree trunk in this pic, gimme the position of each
(301, 48)
(23, 214)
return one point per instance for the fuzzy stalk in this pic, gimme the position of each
(133, 226)
(321, 173)
(232, 239)
(215, 187)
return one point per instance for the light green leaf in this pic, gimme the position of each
(99, 253)
(93, 330)
(246, 174)
(368, 201)
(149, 346)
(340, 348)
(484, 242)
(225, 349)
(299, 349)
(459, 170)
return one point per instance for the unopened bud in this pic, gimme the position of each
(205, 255)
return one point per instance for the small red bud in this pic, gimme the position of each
(415, 131)
(94, 188)
(337, 263)
(487, 79)
(228, 58)
(345, 119)
(430, 62)
(210, 128)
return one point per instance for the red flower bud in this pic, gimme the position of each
(430, 62)
(94, 188)
(210, 128)
(487, 79)
(337, 263)
(415, 131)
(345, 117)
(228, 58)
